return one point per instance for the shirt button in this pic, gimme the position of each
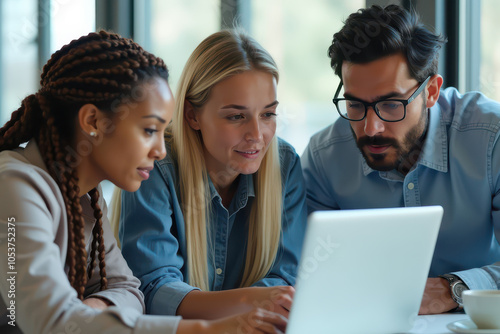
(218, 271)
(411, 186)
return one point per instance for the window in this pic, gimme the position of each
(489, 77)
(177, 27)
(20, 58)
(70, 20)
(298, 36)
(19, 54)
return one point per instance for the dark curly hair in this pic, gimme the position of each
(372, 33)
(101, 69)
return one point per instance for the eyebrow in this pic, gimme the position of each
(239, 107)
(390, 95)
(157, 117)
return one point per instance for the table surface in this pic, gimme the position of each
(436, 324)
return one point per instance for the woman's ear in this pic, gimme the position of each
(433, 89)
(190, 115)
(88, 116)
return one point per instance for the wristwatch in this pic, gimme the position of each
(457, 286)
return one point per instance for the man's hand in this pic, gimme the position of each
(437, 297)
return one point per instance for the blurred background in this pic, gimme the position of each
(296, 33)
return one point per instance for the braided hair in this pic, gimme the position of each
(101, 69)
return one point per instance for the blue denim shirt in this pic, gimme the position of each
(458, 168)
(153, 237)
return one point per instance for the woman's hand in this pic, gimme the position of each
(212, 305)
(256, 321)
(277, 299)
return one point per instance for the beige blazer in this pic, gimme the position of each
(36, 294)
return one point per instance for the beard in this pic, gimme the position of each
(407, 151)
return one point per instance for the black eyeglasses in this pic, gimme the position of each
(388, 110)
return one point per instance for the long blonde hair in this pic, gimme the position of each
(219, 56)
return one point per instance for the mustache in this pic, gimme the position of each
(382, 141)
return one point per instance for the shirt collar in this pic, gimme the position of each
(245, 189)
(435, 152)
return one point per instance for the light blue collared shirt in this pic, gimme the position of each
(153, 237)
(458, 168)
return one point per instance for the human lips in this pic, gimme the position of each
(376, 145)
(249, 154)
(377, 149)
(144, 172)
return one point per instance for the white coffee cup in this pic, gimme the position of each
(483, 307)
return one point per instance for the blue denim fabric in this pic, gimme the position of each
(153, 237)
(459, 169)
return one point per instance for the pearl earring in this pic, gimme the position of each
(93, 134)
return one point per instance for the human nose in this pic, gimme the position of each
(373, 124)
(254, 131)
(159, 151)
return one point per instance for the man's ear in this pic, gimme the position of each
(88, 116)
(190, 115)
(433, 89)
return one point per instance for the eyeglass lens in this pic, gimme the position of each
(387, 110)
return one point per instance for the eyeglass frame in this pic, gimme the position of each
(413, 96)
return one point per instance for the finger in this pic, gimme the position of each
(283, 296)
(268, 329)
(285, 301)
(282, 290)
(278, 309)
(288, 290)
(268, 320)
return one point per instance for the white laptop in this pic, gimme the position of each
(364, 271)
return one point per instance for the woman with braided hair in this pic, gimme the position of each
(100, 114)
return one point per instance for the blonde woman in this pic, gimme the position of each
(218, 226)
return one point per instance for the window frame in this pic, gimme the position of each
(459, 63)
